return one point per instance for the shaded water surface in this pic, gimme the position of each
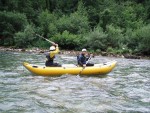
(125, 89)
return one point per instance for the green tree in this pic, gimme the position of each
(141, 39)
(75, 23)
(47, 23)
(67, 40)
(115, 36)
(26, 38)
(96, 39)
(11, 23)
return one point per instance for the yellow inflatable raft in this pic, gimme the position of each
(97, 69)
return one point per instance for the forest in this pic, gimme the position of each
(115, 26)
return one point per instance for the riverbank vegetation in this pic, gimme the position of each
(114, 26)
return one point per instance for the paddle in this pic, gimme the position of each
(84, 67)
(45, 39)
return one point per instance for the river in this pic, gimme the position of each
(126, 89)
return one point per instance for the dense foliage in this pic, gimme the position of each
(120, 26)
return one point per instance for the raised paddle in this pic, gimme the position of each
(45, 39)
(84, 67)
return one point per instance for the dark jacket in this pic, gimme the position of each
(49, 60)
(81, 59)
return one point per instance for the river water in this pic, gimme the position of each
(126, 89)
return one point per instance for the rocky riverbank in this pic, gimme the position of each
(72, 52)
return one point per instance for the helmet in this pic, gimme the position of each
(52, 48)
(83, 50)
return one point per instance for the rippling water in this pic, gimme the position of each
(125, 89)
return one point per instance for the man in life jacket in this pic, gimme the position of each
(83, 58)
(54, 49)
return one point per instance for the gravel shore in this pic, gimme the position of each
(72, 52)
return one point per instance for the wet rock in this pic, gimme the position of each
(41, 51)
(104, 53)
(23, 50)
(128, 56)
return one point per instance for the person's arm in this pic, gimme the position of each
(52, 53)
(89, 56)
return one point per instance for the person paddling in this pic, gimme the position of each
(54, 49)
(83, 58)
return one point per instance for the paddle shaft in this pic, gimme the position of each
(45, 39)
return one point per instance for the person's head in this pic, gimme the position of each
(84, 51)
(52, 48)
